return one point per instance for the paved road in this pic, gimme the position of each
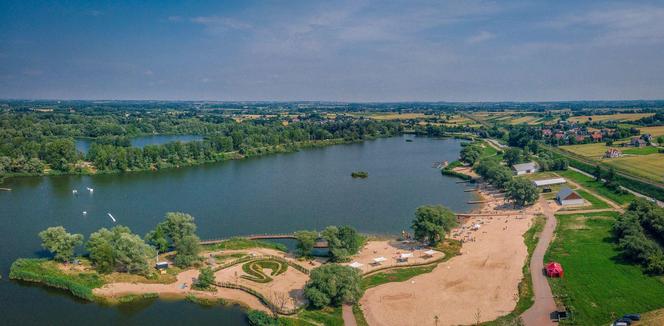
(539, 313)
(347, 313)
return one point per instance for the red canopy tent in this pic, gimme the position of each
(554, 269)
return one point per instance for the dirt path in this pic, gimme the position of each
(347, 313)
(585, 211)
(602, 198)
(544, 304)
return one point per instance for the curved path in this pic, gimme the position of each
(347, 314)
(539, 313)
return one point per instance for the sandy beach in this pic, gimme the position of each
(481, 284)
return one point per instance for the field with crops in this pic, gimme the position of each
(610, 117)
(647, 166)
(655, 131)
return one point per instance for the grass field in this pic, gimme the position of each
(598, 187)
(654, 131)
(641, 150)
(397, 116)
(595, 202)
(594, 150)
(597, 286)
(608, 117)
(647, 166)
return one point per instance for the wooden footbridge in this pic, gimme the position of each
(251, 237)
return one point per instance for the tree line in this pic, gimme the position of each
(120, 250)
(640, 235)
(32, 141)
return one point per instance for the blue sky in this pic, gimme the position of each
(332, 50)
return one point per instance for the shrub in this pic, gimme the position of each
(333, 284)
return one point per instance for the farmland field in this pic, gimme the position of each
(608, 117)
(655, 131)
(597, 285)
(594, 150)
(397, 116)
(641, 150)
(647, 166)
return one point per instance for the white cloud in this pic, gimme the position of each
(619, 26)
(480, 37)
(215, 22)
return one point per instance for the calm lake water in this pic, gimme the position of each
(83, 145)
(309, 189)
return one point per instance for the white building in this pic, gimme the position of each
(525, 168)
(567, 197)
(549, 182)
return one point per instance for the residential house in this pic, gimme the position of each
(638, 142)
(612, 153)
(596, 136)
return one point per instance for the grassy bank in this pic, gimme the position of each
(530, 238)
(598, 286)
(47, 272)
(244, 243)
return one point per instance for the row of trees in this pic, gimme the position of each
(640, 235)
(118, 249)
(520, 190)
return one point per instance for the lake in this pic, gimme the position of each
(309, 189)
(83, 145)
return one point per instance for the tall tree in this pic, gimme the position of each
(118, 249)
(305, 242)
(60, 243)
(188, 249)
(333, 284)
(431, 223)
(522, 191)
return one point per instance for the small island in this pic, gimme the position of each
(360, 174)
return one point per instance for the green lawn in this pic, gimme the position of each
(243, 243)
(595, 202)
(598, 286)
(598, 187)
(641, 150)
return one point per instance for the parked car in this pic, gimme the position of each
(624, 320)
(632, 316)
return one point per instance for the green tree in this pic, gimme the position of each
(305, 242)
(188, 250)
(118, 249)
(333, 285)
(60, 243)
(343, 241)
(470, 154)
(205, 279)
(522, 191)
(431, 223)
(513, 156)
(259, 318)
